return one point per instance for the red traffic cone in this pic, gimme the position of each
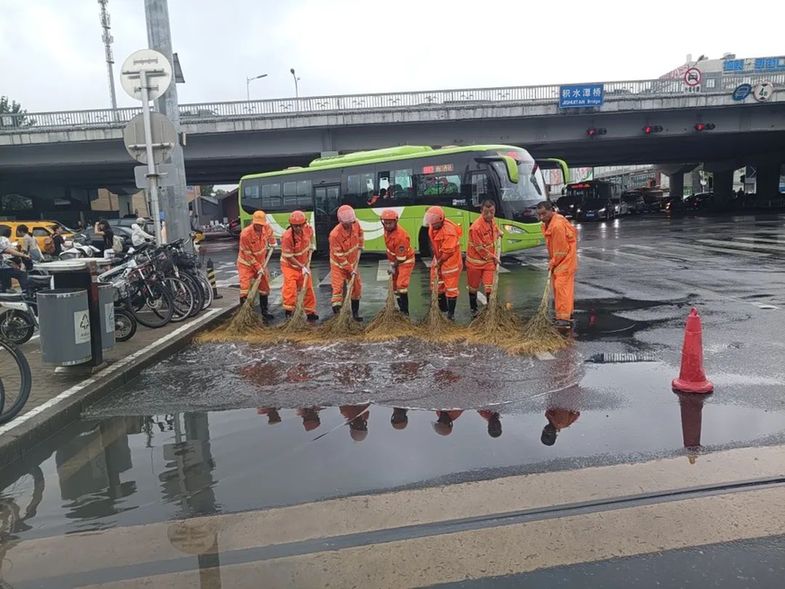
(692, 378)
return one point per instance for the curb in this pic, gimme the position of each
(41, 423)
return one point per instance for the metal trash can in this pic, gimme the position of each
(64, 320)
(106, 303)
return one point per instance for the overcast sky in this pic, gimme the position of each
(52, 58)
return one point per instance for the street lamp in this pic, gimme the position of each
(248, 85)
(296, 79)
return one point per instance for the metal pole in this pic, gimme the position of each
(248, 89)
(152, 176)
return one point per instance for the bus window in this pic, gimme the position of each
(479, 184)
(402, 184)
(360, 188)
(435, 185)
(304, 195)
(384, 181)
(252, 200)
(271, 196)
(290, 194)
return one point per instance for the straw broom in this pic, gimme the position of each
(343, 324)
(389, 323)
(539, 334)
(297, 324)
(435, 326)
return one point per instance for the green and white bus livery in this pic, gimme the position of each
(408, 179)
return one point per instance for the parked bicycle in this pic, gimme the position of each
(15, 381)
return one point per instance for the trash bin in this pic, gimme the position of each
(106, 303)
(64, 320)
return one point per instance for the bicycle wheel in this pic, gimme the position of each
(124, 325)
(157, 305)
(193, 284)
(16, 380)
(207, 289)
(16, 327)
(182, 297)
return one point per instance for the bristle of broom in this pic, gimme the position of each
(389, 323)
(342, 325)
(435, 326)
(496, 324)
(246, 320)
(538, 334)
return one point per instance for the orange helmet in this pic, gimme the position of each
(434, 215)
(259, 218)
(389, 215)
(297, 218)
(346, 214)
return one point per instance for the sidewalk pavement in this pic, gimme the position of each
(57, 399)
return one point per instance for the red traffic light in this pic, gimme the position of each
(649, 129)
(704, 126)
(594, 131)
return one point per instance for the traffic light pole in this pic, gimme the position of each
(152, 175)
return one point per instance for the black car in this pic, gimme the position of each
(698, 201)
(569, 206)
(596, 209)
(636, 204)
(90, 238)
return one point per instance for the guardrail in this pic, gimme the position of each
(208, 111)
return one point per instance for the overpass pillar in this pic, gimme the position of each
(768, 181)
(723, 187)
(676, 182)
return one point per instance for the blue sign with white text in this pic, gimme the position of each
(581, 95)
(742, 91)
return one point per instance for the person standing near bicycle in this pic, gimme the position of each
(256, 241)
(8, 270)
(29, 246)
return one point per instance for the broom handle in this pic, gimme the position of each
(258, 281)
(301, 294)
(494, 295)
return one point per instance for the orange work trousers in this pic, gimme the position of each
(448, 280)
(476, 275)
(401, 278)
(293, 282)
(247, 278)
(339, 277)
(564, 294)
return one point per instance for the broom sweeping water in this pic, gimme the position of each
(435, 326)
(343, 324)
(539, 334)
(389, 323)
(297, 323)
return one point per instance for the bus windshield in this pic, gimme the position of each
(530, 185)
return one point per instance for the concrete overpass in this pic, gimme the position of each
(226, 140)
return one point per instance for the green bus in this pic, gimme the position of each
(408, 179)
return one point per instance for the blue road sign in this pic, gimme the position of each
(581, 95)
(742, 91)
(769, 64)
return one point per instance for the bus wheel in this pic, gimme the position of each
(425, 243)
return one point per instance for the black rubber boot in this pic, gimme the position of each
(336, 309)
(443, 303)
(356, 310)
(473, 304)
(312, 317)
(289, 314)
(263, 303)
(403, 303)
(451, 308)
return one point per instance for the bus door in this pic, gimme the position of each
(327, 199)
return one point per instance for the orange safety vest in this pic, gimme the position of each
(253, 246)
(294, 248)
(561, 241)
(399, 246)
(345, 245)
(482, 243)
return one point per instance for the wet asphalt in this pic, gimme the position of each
(221, 428)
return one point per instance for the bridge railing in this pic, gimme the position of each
(254, 109)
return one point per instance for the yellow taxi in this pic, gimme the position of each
(41, 230)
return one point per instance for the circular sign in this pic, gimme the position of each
(157, 70)
(692, 77)
(742, 91)
(763, 91)
(164, 137)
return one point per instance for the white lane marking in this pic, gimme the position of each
(326, 281)
(503, 270)
(544, 356)
(745, 246)
(482, 298)
(761, 240)
(381, 271)
(766, 307)
(70, 392)
(427, 262)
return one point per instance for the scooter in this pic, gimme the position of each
(80, 249)
(19, 312)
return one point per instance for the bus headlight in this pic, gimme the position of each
(513, 229)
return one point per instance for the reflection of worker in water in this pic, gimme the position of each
(558, 419)
(444, 421)
(357, 416)
(272, 414)
(399, 419)
(310, 417)
(494, 422)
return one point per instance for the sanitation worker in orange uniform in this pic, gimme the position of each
(400, 254)
(295, 253)
(447, 264)
(255, 242)
(346, 243)
(560, 239)
(481, 255)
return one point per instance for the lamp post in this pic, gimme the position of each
(248, 85)
(296, 79)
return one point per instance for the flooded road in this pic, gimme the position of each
(221, 429)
